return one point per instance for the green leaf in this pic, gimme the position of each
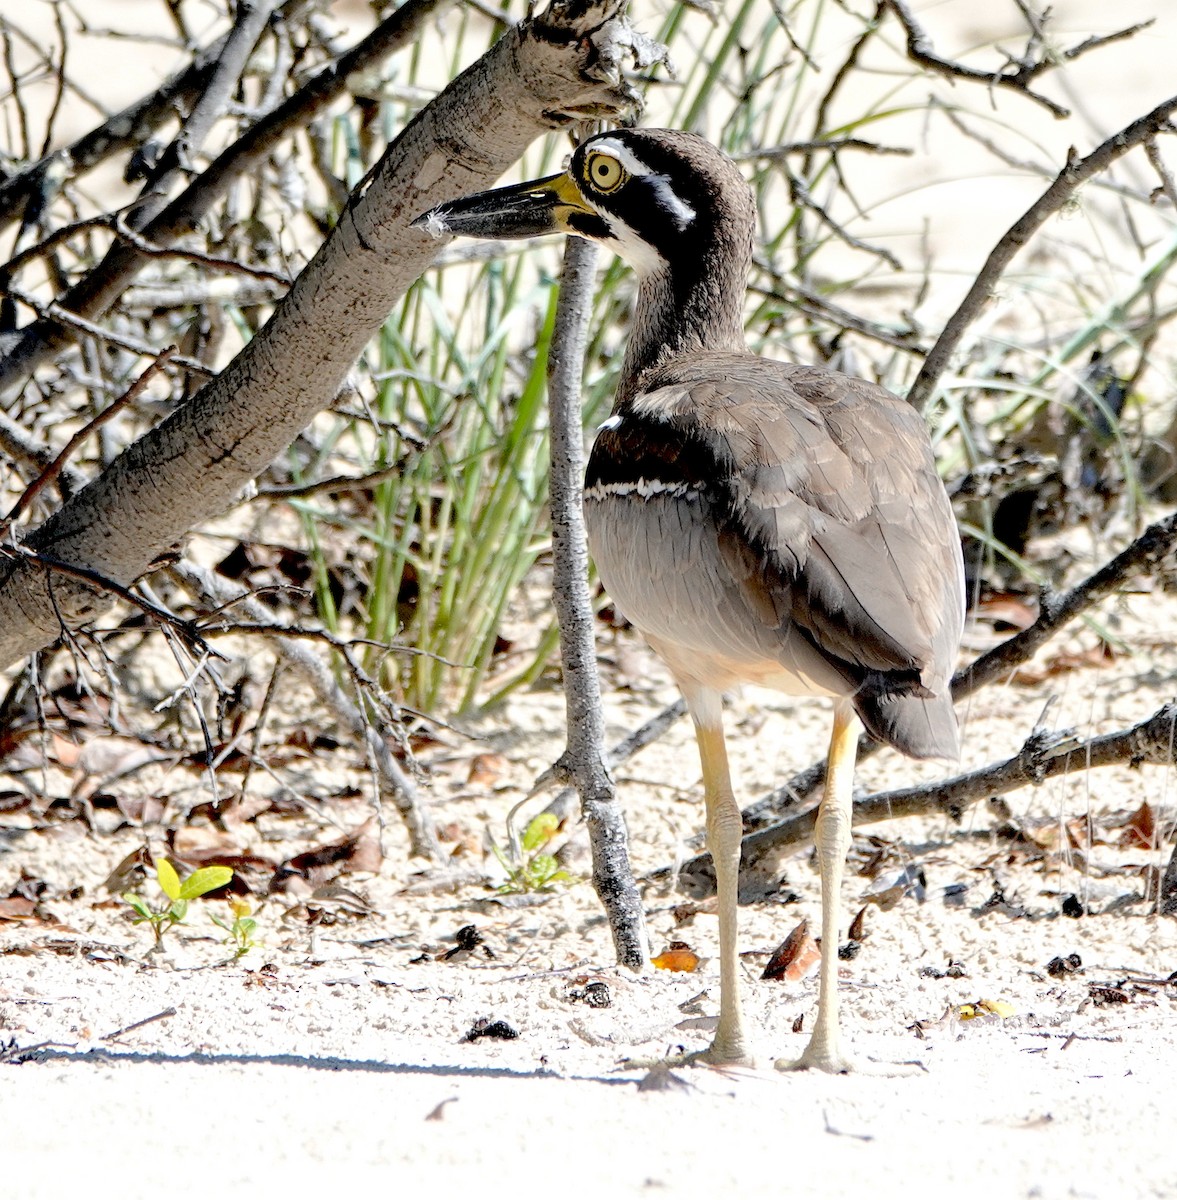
(178, 911)
(168, 879)
(207, 879)
(138, 904)
(540, 830)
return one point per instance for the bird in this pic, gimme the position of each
(758, 521)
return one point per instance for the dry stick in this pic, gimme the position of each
(583, 760)
(644, 735)
(125, 130)
(301, 659)
(919, 50)
(212, 103)
(20, 447)
(93, 295)
(763, 820)
(1075, 173)
(1043, 756)
(54, 469)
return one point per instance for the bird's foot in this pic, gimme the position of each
(833, 1061)
(716, 1055)
(832, 1064)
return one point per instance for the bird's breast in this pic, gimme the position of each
(656, 546)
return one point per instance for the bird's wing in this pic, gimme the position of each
(833, 518)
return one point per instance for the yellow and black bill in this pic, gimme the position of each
(524, 210)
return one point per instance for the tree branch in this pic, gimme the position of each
(583, 761)
(93, 295)
(551, 70)
(1075, 173)
(1044, 755)
(396, 782)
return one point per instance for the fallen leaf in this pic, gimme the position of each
(17, 908)
(794, 957)
(984, 1008)
(1006, 608)
(1140, 830)
(678, 956)
(857, 931)
(360, 852)
(485, 770)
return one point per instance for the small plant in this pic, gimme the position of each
(177, 895)
(244, 926)
(529, 867)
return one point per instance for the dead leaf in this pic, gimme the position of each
(17, 908)
(1140, 830)
(129, 873)
(485, 770)
(857, 932)
(1006, 608)
(678, 956)
(360, 852)
(794, 957)
(1063, 663)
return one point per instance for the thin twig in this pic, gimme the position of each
(1075, 173)
(1044, 755)
(44, 339)
(396, 782)
(51, 472)
(52, 311)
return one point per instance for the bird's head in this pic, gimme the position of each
(656, 197)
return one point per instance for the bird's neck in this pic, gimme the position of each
(683, 310)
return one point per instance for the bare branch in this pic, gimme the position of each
(57, 313)
(1036, 59)
(583, 761)
(54, 469)
(213, 101)
(542, 74)
(396, 782)
(1044, 755)
(1074, 174)
(92, 296)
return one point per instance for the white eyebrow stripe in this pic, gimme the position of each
(623, 154)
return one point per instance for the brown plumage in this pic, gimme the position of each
(758, 521)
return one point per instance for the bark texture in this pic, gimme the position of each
(583, 761)
(560, 66)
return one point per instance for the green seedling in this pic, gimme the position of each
(530, 868)
(161, 917)
(239, 933)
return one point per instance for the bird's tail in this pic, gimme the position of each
(920, 726)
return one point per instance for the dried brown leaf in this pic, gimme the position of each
(794, 957)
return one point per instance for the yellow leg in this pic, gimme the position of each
(832, 837)
(724, 831)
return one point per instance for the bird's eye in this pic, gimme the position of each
(604, 172)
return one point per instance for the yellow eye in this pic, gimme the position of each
(604, 172)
